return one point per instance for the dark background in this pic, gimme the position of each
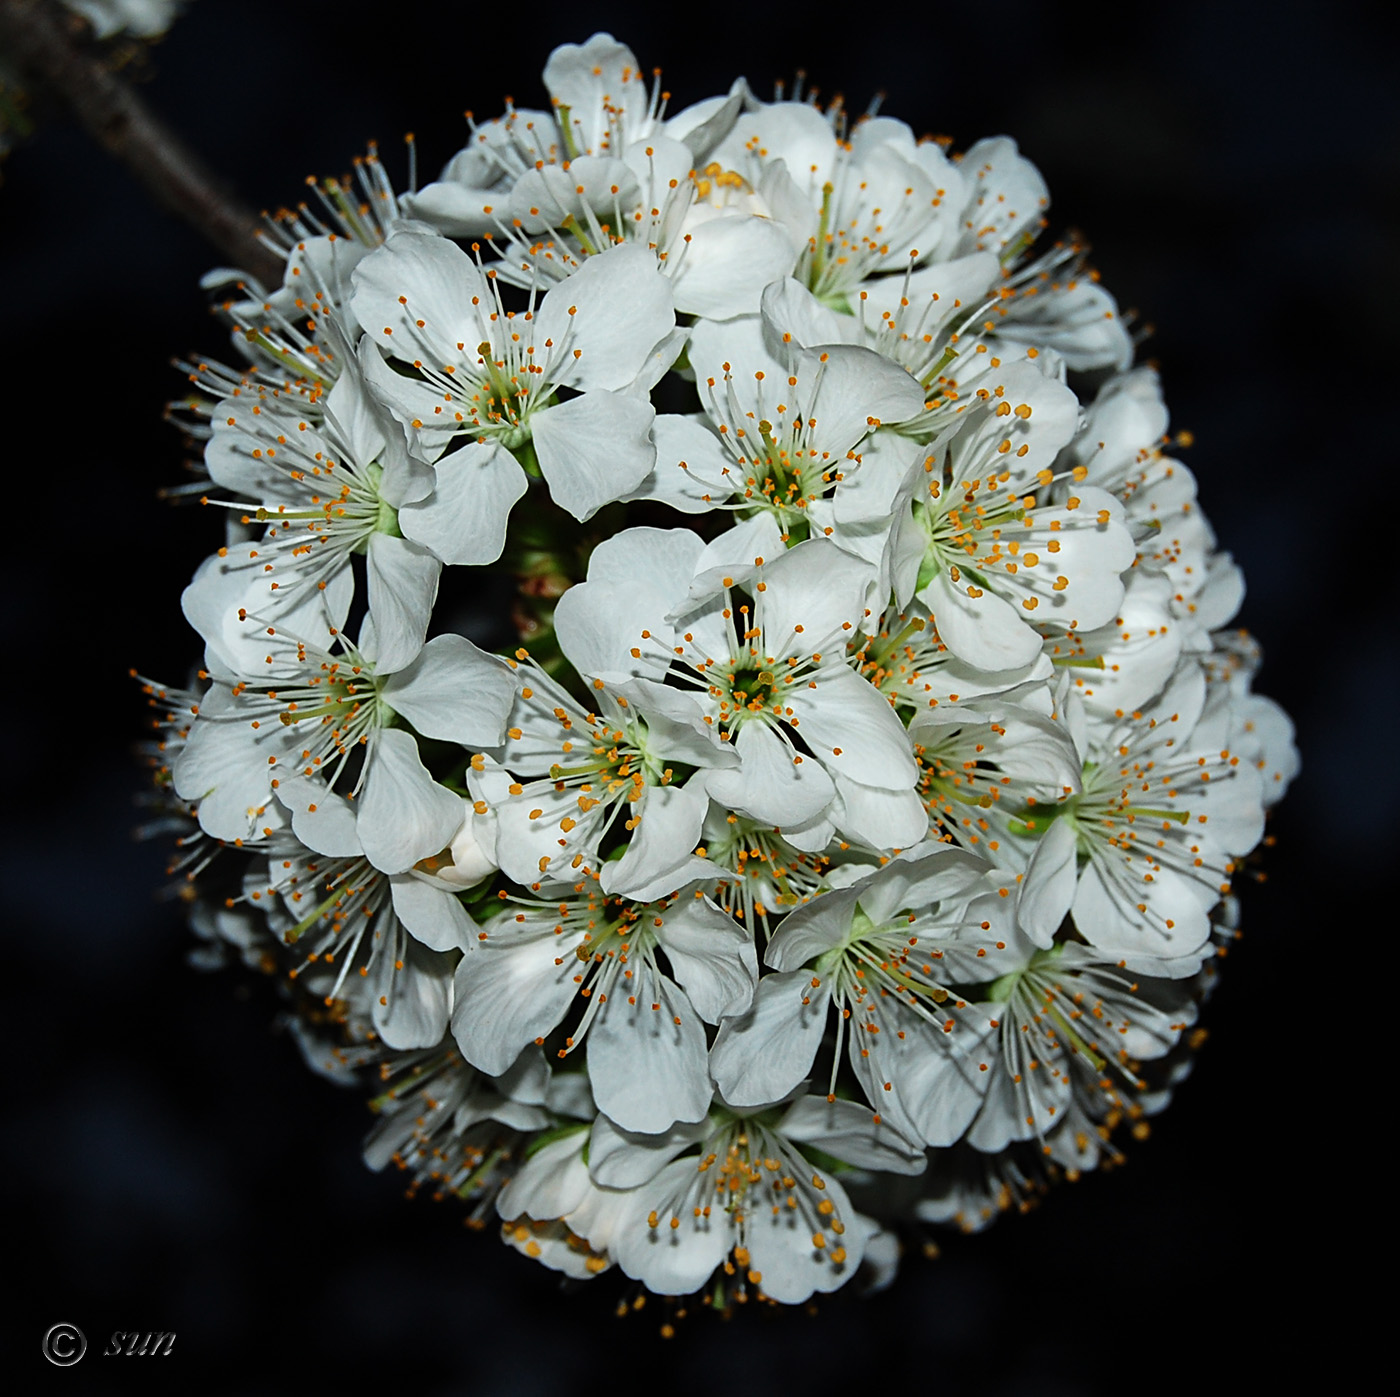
(171, 1164)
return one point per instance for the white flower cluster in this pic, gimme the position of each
(871, 804)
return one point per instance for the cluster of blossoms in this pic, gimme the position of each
(868, 799)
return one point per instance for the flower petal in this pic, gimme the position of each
(620, 1158)
(711, 955)
(403, 583)
(726, 264)
(760, 1056)
(594, 449)
(434, 916)
(847, 1131)
(404, 815)
(512, 990)
(464, 519)
(455, 692)
(613, 311)
(771, 784)
(646, 1056)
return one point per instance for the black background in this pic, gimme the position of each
(171, 1164)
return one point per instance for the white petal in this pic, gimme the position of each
(661, 560)
(1078, 320)
(812, 928)
(670, 1260)
(773, 785)
(547, 197)
(543, 826)
(759, 1057)
(550, 1183)
(868, 493)
(711, 955)
(1106, 911)
(781, 1250)
(613, 310)
(594, 80)
(510, 991)
(794, 320)
(455, 209)
(1048, 888)
(727, 263)
(984, 630)
(814, 598)
(431, 914)
(676, 729)
(689, 473)
(1006, 195)
(931, 873)
(437, 282)
(660, 852)
(879, 817)
(735, 553)
(620, 1158)
(947, 288)
(936, 1079)
(858, 391)
(411, 1003)
(752, 374)
(600, 624)
(224, 767)
(849, 726)
(403, 583)
(464, 520)
(404, 815)
(648, 1064)
(455, 692)
(237, 644)
(594, 449)
(321, 819)
(848, 1131)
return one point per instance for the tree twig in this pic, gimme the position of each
(40, 43)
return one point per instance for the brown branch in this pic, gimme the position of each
(43, 45)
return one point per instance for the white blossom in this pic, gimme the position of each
(645, 1039)
(492, 376)
(738, 1184)
(854, 823)
(314, 710)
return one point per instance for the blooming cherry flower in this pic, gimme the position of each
(775, 441)
(324, 494)
(815, 742)
(1161, 815)
(341, 917)
(1071, 1023)
(738, 1184)
(491, 376)
(601, 107)
(972, 541)
(316, 708)
(982, 763)
(871, 952)
(454, 1130)
(852, 209)
(646, 1045)
(599, 772)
